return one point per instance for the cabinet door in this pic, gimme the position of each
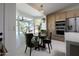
(70, 14)
(77, 24)
(58, 17)
(76, 12)
(63, 16)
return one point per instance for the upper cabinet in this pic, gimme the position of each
(63, 15)
(77, 13)
(60, 16)
(70, 14)
(57, 16)
(67, 14)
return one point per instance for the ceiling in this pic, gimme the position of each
(23, 9)
(50, 7)
(32, 10)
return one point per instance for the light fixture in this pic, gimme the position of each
(42, 11)
(42, 8)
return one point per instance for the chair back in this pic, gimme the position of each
(1, 37)
(28, 37)
(39, 35)
(50, 36)
(1, 34)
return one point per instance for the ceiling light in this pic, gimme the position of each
(42, 10)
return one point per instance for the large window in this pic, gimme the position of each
(40, 24)
(24, 24)
(30, 25)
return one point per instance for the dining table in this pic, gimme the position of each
(39, 38)
(43, 37)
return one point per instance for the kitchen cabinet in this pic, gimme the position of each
(70, 14)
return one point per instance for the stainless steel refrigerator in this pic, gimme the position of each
(72, 24)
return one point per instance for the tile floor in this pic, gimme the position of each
(58, 48)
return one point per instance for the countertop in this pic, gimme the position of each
(72, 36)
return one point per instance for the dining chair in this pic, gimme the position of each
(29, 42)
(1, 34)
(48, 41)
(3, 50)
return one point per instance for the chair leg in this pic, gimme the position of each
(25, 49)
(49, 47)
(5, 50)
(41, 41)
(30, 51)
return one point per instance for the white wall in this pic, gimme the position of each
(10, 31)
(1, 17)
